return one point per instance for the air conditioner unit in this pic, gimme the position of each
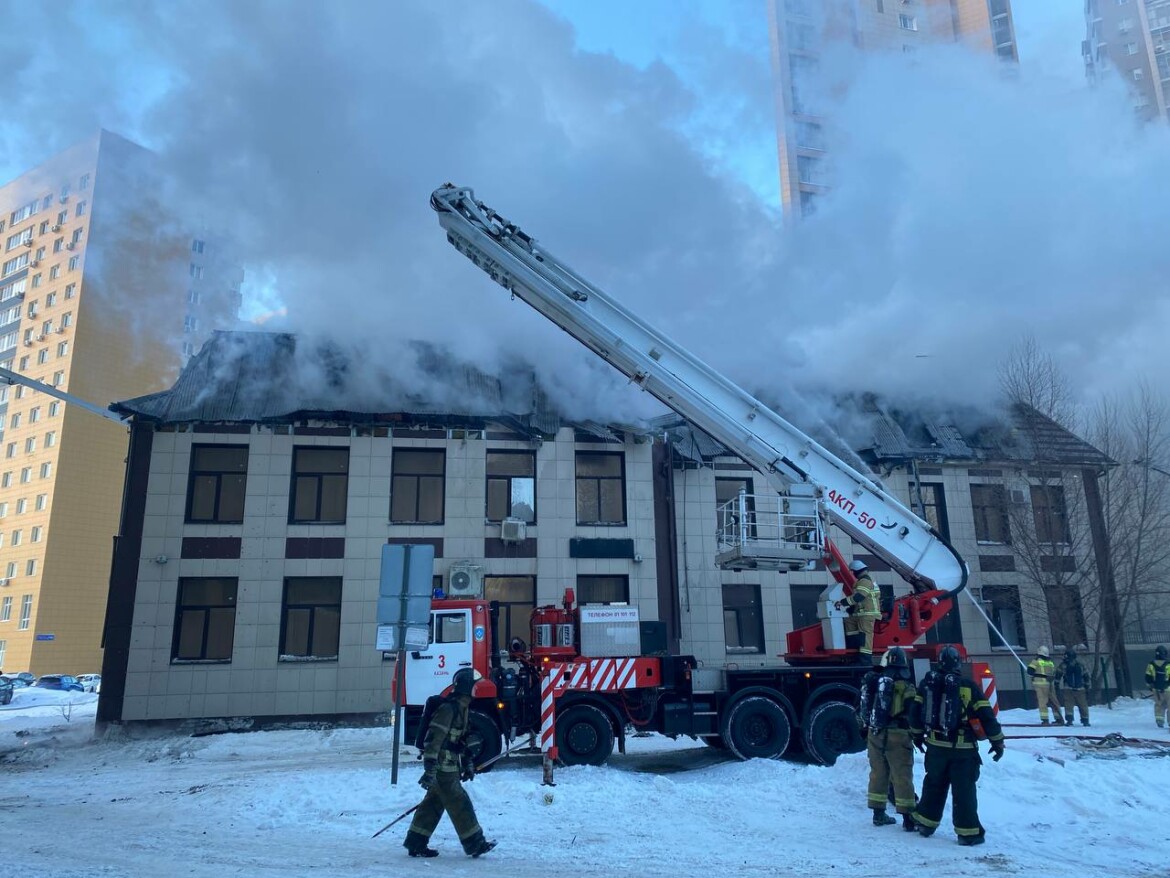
(466, 580)
(513, 530)
(3, 583)
(57, 228)
(28, 342)
(60, 329)
(64, 199)
(34, 264)
(28, 242)
(41, 337)
(70, 246)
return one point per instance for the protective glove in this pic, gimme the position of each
(996, 751)
(428, 776)
(468, 772)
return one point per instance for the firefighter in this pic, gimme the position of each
(446, 761)
(886, 705)
(863, 609)
(942, 720)
(1074, 682)
(1158, 679)
(1042, 670)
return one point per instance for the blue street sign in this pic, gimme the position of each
(46, 637)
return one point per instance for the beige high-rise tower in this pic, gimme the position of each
(1131, 37)
(810, 38)
(101, 295)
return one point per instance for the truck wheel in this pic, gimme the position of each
(584, 735)
(715, 742)
(483, 737)
(830, 731)
(757, 728)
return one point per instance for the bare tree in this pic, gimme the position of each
(1032, 378)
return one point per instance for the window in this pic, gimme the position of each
(6, 609)
(743, 621)
(603, 589)
(449, 628)
(19, 238)
(74, 261)
(58, 378)
(196, 271)
(1002, 603)
(30, 444)
(727, 490)
(907, 22)
(810, 170)
(205, 620)
(517, 597)
(58, 245)
(17, 535)
(36, 282)
(10, 450)
(78, 234)
(417, 486)
(10, 570)
(1137, 73)
(310, 625)
(62, 348)
(62, 217)
(46, 470)
(22, 213)
(989, 506)
(6, 480)
(15, 264)
(192, 297)
(1131, 48)
(42, 356)
(320, 484)
(42, 502)
(25, 612)
(1050, 515)
(21, 506)
(215, 489)
(15, 421)
(3, 509)
(196, 246)
(50, 438)
(70, 290)
(934, 508)
(190, 324)
(511, 485)
(601, 492)
(1066, 615)
(55, 271)
(67, 318)
(26, 475)
(30, 568)
(54, 408)
(35, 536)
(50, 300)
(80, 209)
(83, 183)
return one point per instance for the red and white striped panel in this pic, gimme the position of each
(603, 675)
(988, 682)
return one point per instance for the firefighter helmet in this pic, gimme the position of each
(1070, 652)
(949, 660)
(1160, 653)
(895, 659)
(1042, 651)
(858, 566)
(464, 681)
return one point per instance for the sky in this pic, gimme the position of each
(269, 803)
(635, 141)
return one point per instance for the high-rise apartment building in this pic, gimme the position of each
(811, 44)
(101, 295)
(1131, 37)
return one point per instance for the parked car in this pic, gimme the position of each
(62, 682)
(20, 680)
(6, 688)
(90, 682)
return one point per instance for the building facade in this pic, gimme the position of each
(811, 42)
(246, 575)
(98, 296)
(1132, 39)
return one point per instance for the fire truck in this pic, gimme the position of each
(585, 678)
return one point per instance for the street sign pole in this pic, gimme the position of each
(400, 667)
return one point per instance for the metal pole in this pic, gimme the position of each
(400, 667)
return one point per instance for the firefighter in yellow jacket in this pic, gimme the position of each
(1158, 679)
(886, 705)
(445, 762)
(1042, 670)
(863, 607)
(942, 720)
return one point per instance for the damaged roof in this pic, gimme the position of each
(266, 377)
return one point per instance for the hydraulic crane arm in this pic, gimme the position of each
(709, 400)
(9, 377)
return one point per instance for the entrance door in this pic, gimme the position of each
(429, 671)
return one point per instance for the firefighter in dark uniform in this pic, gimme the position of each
(445, 762)
(1158, 679)
(949, 703)
(1074, 681)
(864, 609)
(886, 706)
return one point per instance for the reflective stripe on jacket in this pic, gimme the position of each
(444, 740)
(1041, 670)
(1158, 675)
(865, 598)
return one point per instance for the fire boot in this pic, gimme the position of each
(477, 845)
(908, 824)
(416, 845)
(881, 818)
(969, 840)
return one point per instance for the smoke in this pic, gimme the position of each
(969, 208)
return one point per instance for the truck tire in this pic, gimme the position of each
(757, 727)
(832, 730)
(483, 737)
(715, 742)
(584, 735)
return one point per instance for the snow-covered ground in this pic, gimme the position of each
(286, 802)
